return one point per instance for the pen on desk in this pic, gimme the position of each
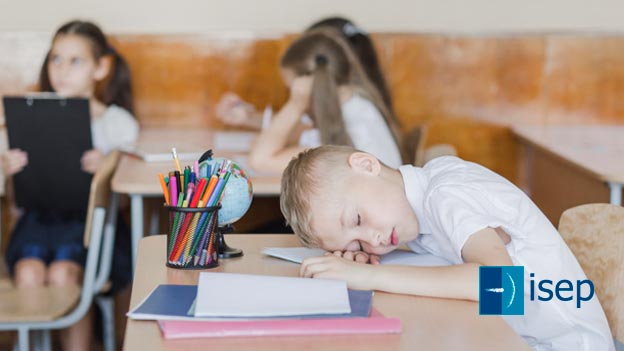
(163, 185)
(173, 185)
(175, 159)
(175, 227)
(183, 235)
(185, 179)
(178, 180)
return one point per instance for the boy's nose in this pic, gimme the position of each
(377, 239)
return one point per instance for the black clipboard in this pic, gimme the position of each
(55, 132)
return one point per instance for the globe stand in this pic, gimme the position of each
(224, 250)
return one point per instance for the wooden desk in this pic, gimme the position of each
(138, 179)
(565, 166)
(428, 324)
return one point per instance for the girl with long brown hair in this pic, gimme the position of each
(234, 111)
(327, 83)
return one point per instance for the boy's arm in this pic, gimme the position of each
(461, 281)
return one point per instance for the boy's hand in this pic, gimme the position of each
(357, 256)
(356, 275)
(91, 160)
(14, 161)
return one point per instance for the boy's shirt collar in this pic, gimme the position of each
(416, 182)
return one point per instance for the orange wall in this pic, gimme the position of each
(501, 80)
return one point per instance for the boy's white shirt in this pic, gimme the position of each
(366, 127)
(453, 199)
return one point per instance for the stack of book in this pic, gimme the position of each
(226, 305)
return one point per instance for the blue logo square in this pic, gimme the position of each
(501, 290)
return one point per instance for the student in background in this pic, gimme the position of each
(232, 110)
(327, 83)
(46, 248)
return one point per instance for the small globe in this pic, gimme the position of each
(238, 192)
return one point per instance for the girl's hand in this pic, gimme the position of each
(301, 90)
(91, 160)
(357, 275)
(356, 256)
(14, 161)
(232, 110)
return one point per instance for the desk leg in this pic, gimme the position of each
(154, 220)
(616, 193)
(136, 211)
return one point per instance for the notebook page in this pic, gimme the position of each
(246, 295)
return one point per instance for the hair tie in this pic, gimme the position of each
(321, 60)
(111, 50)
(350, 30)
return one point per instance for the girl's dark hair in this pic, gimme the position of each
(325, 55)
(364, 49)
(116, 88)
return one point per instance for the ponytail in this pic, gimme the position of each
(44, 78)
(363, 48)
(117, 87)
(326, 108)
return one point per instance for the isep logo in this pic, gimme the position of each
(501, 290)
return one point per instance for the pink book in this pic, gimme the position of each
(376, 324)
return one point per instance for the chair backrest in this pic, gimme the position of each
(413, 144)
(99, 193)
(595, 234)
(71, 309)
(438, 150)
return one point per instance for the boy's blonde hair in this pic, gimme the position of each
(303, 178)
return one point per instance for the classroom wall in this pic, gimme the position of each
(439, 16)
(471, 69)
(471, 88)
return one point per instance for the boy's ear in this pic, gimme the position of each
(104, 67)
(363, 162)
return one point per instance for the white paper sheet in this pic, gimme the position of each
(166, 156)
(409, 258)
(293, 254)
(234, 141)
(399, 257)
(246, 295)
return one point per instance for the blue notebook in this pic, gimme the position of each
(177, 302)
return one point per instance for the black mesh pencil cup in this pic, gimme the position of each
(192, 238)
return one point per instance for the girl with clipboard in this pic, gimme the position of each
(47, 248)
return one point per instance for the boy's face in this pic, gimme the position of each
(366, 210)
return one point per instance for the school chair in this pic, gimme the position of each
(416, 145)
(595, 234)
(44, 309)
(438, 150)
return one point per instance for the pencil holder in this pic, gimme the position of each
(192, 241)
